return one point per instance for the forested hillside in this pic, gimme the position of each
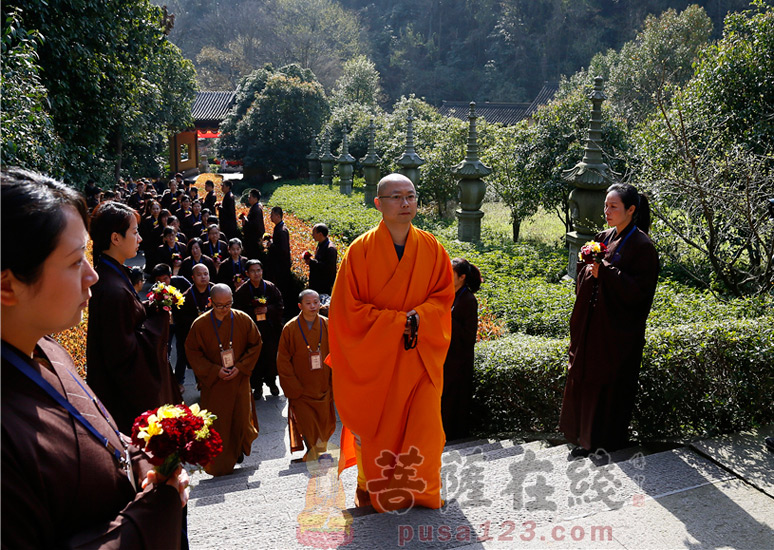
(487, 50)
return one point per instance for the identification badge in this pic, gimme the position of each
(260, 316)
(227, 358)
(315, 360)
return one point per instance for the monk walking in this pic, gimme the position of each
(305, 379)
(222, 348)
(390, 327)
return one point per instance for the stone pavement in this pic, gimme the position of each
(501, 494)
(713, 494)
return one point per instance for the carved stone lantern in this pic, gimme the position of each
(471, 187)
(345, 162)
(314, 161)
(370, 164)
(327, 160)
(590, 179)
(410, 162)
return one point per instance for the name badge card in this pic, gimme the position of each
(227, 358)
(315, 360)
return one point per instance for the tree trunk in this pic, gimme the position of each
(516, 229)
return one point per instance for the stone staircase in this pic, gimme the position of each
(501, 494)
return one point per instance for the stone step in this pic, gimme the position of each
(542, 487)
(279, 475)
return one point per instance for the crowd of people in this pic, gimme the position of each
(396, 349)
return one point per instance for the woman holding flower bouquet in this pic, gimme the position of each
(62, 486)
(615, 288)
(126, 342)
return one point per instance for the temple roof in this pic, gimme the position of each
(211, 107)
(506, 114)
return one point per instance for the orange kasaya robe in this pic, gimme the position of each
(387, 395)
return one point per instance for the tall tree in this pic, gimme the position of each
(97, 63)
(707, 160)
(659, 61)
(29, 138)
(276, 114)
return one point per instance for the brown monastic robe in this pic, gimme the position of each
(126, 348)
(231, 400)
(309, 391)
(270, 328)
(607, 336)
(60, 486)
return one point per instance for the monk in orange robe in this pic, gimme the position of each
(305, 378)
(394, 283)
(222, 348)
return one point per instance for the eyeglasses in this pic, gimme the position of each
(411, 199)
(222, 306)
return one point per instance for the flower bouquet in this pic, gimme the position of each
(259, 301)
(165, 296)
(216, 257)
(592, 252)
(306, 255)
(238, 280)
(176, 434)
(176, 258)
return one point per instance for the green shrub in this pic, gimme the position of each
(696, 379)
(706, 378)
(518, 384)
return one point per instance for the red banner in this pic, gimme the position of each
(207, 134)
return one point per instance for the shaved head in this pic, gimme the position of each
(220, 290)
(308, 292)
(198, 267)
(382, 188)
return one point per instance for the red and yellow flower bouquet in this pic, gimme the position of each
(176, 434)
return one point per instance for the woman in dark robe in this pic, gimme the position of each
(233, 271)
(150, 231)
(607, 327)
(61, 486)
(214, 247)
(195, 256)
(458, 367)
(126, 343)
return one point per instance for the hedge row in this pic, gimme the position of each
(696, 379)
(708, 364)
(522, 286)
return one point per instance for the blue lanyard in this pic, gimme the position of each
(209, 243)
(304, 336)
(121, 272)
(231, 340)
(238, 265)
(196, 300)
(619, 248)
(13, 357)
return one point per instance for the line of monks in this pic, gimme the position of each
(383, 357)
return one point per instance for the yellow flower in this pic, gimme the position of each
(168, 411)
(204, 414)
(154, 428)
